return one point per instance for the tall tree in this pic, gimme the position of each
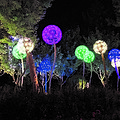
(19, 17)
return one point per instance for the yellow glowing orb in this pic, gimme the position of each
(100, 47)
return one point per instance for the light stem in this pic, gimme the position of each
(22, 71)
(52, 68)
(90, 74)
(117, 71)
(83, 73)
(45, 82)
(103, 59)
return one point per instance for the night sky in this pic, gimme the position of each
(87, 14)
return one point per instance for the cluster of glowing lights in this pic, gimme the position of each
(100, 47)
(51, 34)
(89, 57)
(45, 65)
(20, 46)
(83, 53)
(80, 51)
(28, 44)
(114, 54)
(115, 62)
(17, 54)
(114, 57)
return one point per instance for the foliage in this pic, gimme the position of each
(116, 4)
(112, 41)
(64, 65)
(4, 62)
(63, 105)
(20, 17)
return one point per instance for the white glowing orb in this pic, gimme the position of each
(29, 45)
(100, 47)
(21, 48)
(117, 61)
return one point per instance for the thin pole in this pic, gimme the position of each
(117, 71)
(118, 82)
(22, 71)
(90, 74)
(45, 82)
(83, 73)
(103, 59)
(52, 68)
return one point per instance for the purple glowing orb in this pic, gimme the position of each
(51, 34)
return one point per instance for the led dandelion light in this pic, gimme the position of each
(114, 57)
(44, 67)
(20, 46)
(89, 58)
(83, 53)
(80, 51)
(52, 34)
(29, 46)
(100, 47)
(18, 55)
(115, 62)
(113, 54)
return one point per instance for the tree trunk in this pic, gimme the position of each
(33, 74)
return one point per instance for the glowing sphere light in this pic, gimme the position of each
(80, 51)
(100, 47)
(89, 57)
(20, 46)
(17, 54)
(45, 65)
(113, 54)
(115, 62)
(51, 34)
(114, 57)
(28, 44)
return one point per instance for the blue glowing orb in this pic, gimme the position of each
(51, 34)
(114, 54)
(45, 65)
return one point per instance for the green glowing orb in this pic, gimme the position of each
(80, 51)
(89, 57)
(17, 54)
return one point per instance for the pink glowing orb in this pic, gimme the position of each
(51, 34)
